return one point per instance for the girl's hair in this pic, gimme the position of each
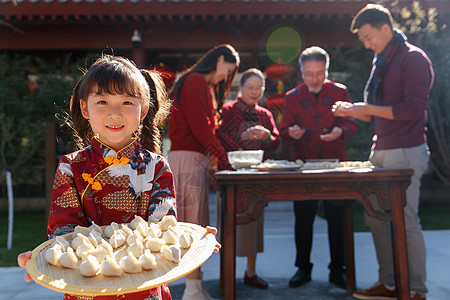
(206, 65)
(118, 75)
(252, 72)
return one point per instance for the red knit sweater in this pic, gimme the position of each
(193, 119)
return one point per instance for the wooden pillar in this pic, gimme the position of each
(50, 163)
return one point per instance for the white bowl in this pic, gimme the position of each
(245, 158)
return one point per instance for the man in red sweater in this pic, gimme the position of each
(313, 131)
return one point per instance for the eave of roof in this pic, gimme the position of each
(186, 10)
(22, 10)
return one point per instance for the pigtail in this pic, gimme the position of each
(82, 131)
(158, 110)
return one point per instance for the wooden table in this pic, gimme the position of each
(389, 185)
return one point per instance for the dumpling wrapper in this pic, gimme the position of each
(172, 253)
(109, 230)
(126, 230)
(148, 260)
(99, 253)
(69, 259)
(90, 267)
(131, 239)
(60, 240)
(142, 229)
(85, 247)
(130, 264)
(185, 240)
(110, 267)
(153, 230)
(117, 239)
(96, 228)
(170, 236)
(137, 248)
(81, 229)
(166, 221)
(53, 254)
(154, 244)
(78, 240)
(134, 223)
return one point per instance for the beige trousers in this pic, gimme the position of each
(191, 178)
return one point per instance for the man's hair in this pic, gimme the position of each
(373, 14)
(314, 54)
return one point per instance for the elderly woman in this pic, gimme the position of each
(247, 126)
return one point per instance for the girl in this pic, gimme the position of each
(246, 125)
(118, 173)
(198, 94)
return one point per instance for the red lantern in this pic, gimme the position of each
(277, 72)
(167, 74)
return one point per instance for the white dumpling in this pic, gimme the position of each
(131, 239)
(90, 266)
(95, 238)
(109, 230)
(148, 260)
(53, 254)
(85, 247)
(99, 253)
(137, 219)
(68, 259)
(137, 248)
(142, 229)
(170, 236)
(130, 264)
(107, 246)
(166, 221)
(60, 240)
(78, 240)
(154, 244)
(172, 253)
(109, 267)
(153, 230)
(82, 230)
(185, 240)
(126, 230)
(96, 228)
(117, 239)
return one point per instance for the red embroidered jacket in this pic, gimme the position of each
(302, 108)
(97, 184)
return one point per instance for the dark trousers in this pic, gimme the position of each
(305, 212)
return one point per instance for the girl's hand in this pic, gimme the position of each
(22, 260)
(213, 230)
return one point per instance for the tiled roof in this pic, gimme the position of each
(188, 10)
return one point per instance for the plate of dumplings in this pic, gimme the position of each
(120, 258)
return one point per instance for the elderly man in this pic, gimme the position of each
(312, 130)
(396, 98)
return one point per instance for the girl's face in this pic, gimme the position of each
(114, 118)
(252, 90)
(223, 70)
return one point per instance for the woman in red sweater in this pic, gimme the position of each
(246, 125)
(198, 95)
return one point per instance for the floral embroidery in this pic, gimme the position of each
(110, 160)
(95, 184)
